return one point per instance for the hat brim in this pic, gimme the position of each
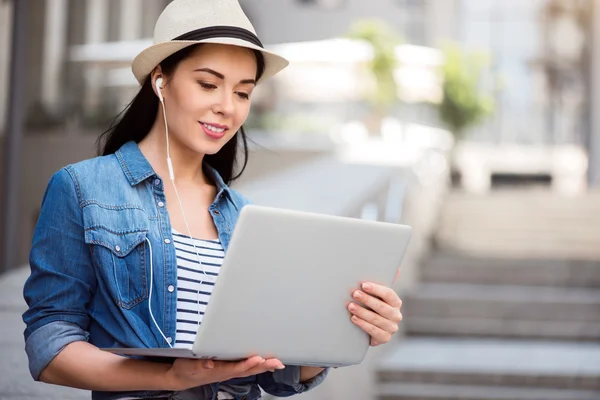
(149, 58)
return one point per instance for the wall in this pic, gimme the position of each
(5, 50)
(594, 140)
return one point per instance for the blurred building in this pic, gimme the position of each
(68, 101)
(593, 85)
(56, 87)
(516, 33)
(420, 22)
(59, 88)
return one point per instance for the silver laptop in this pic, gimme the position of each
(284, 286)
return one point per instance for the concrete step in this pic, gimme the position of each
(497, 310)
(542, 201)
(503, 302)
(554, 243)
(450, 267)
(523, 230)
(493, 209)
(522, 224)
(480, 245)
(492, 363)
(499, 328)
(408, 391)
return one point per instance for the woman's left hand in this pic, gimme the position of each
(381, 317)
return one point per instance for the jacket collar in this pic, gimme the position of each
(137, 169)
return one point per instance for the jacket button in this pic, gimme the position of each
(167, 241)
(171, 288)
(161, 204)
(169, 340)
(117, 248)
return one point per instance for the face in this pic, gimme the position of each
(207, 97)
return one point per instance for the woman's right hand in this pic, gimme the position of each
(188, 373)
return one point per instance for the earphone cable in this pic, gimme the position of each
(172, 176)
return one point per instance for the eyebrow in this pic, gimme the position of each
(221, 76)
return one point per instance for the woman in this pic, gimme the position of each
(126, 243)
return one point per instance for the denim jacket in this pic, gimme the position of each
(90, 269)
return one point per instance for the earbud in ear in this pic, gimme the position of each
(158, 88)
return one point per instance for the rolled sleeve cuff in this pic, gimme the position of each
(286, 382)
(47, 341)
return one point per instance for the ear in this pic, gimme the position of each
(154, 75)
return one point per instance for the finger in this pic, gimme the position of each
(251, 362)
(377, 334)
(238, 367)
(267, 365)
(272, 363)
(373, 318)
(378, 306)
(385, 293)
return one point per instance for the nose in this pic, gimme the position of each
(225, 105)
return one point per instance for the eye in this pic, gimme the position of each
(245, 96)
(207, 86)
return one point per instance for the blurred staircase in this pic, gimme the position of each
(522, 224)
(508, 305)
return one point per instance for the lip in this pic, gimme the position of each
(211, 134)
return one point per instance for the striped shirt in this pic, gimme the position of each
(190, 280)
(194, 286)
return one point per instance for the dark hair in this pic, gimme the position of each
(136, 120)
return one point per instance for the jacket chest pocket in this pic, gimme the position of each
(117, 238)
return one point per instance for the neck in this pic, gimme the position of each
(187, 164)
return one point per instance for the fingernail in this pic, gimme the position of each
(280, 366)
(209, 364)
(366, 286)
(357, 294)
(352, 307)
(354, 318)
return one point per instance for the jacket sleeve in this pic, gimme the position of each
(62, 277)
(286, 382)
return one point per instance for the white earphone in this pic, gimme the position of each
(158, 85)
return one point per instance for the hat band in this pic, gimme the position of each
(221, 31)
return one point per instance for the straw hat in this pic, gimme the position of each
(185, 23)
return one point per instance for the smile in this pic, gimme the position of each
(213, 128)
(214, 131)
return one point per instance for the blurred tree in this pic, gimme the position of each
(463, 105)
(384, 40)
